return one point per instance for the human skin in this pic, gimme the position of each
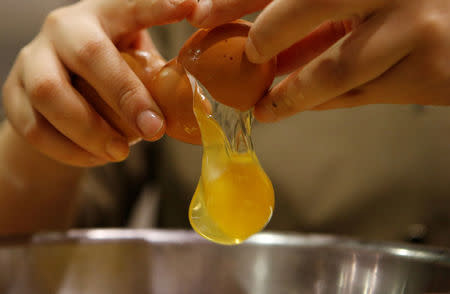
(338, 54)
(365, 52)
(52, 133)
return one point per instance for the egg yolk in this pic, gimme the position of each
(234, 198)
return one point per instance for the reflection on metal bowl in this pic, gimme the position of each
(180, 262)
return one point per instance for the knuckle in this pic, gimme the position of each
(127, 98)
(89, 50)
(24, 52)
(43, 89)
(54, 18)
(433, 25)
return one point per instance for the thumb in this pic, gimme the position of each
(120, 17)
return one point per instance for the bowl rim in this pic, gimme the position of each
(420, 253)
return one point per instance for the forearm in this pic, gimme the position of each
(36, 192)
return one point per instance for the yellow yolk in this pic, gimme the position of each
(234, 198)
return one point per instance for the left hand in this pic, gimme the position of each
(398, 51)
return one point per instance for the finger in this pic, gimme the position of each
(210, 13)
(146, 54)
(284, 22)
(356, 59)
(119, 17)
(140, 41)
(37, 131)
(90, 54)
(312, 45)
(51, 94)
(405, 83)
(142, 57)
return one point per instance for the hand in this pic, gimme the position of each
(84, 40)
(346, 53)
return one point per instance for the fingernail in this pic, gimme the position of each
(117, 149)
(252, 53)
(202, 12)
(149, 124)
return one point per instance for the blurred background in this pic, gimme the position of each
(376, 172)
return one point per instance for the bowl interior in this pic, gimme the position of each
(157, 262)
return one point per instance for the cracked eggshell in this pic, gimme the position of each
(216, 57)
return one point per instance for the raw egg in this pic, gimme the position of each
(234, 198)
(206, 95)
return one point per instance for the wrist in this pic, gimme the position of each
(23, 158)
(36, 192)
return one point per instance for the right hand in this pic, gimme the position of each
(84, 40)
(344, 53)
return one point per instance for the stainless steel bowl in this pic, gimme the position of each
(178, 262)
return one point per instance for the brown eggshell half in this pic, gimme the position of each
(216, 57)
(172, 91)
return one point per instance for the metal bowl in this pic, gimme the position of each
(178, 262)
